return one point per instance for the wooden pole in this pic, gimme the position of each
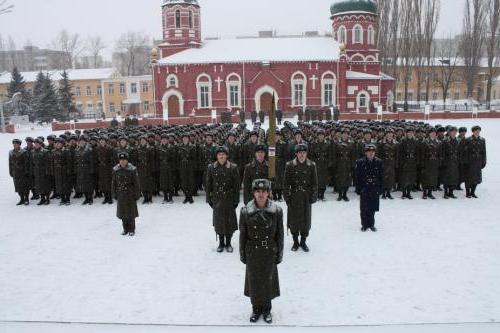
(271, 140)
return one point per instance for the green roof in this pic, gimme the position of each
(354, 6)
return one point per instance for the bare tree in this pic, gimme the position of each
(406, 45)
(492, 44)
(11, 46)
(383, 32)
(70, 44)
(446, 59)
(472, 41)
(5, 7)
(131, 48)
(431, 20)
(394, 37)
(95, 45)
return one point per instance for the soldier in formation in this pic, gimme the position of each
(416, 156)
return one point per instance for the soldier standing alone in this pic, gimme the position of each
(261, 249)
(369, 185)
(126, 190)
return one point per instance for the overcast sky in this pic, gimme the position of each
(39, 21)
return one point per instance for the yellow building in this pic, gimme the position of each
(438, 73)
(98, 91)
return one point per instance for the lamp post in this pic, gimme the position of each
(2, 117)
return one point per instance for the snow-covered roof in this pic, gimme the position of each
(258, 50)
(73, 75)
(352, 75)
(174, 2)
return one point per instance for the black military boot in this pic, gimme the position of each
(26, 199)
(344, 196)
(268, 317)
(186, 198)
(47, 200)
(451, 194)
(340, 196)
(68, 201)
(229, 248)
(473, 192)
(42, 200)
(125, 228)
(21, 200)
(408, 194)
(296, 244)
(170, 198)
(446, 193)
(190, 199)
(468, 192)
(384, 194)
(424, 194)
(221, 247)
(303, 244)
(256, 313)
(145, 200)
(388, 195)
(430, 195)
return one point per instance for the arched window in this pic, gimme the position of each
(328, 89)
(204, 89)
(357, 34)
(233, 84)
(342, 35)
(357, 57)
(299, 85)
(371, 35)
(177, 19)
(172, 81)
(363, 99)
(190, 20)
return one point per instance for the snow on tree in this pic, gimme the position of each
(45, 104)
(65, 98)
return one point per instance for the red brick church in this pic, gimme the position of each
(195, 76)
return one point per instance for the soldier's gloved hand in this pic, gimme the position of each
(243, 260)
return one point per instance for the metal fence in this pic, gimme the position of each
(448, 107)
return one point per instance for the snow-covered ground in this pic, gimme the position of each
(430, 262)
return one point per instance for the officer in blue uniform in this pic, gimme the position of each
(369, 186)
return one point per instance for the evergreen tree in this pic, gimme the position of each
(65, 98)
(45, 104)
(37, 98)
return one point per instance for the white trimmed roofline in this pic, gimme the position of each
(352, 12)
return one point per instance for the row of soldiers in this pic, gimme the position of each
(304, 115)
(174, 158)
(416, 156)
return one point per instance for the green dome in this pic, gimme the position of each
(354, 6)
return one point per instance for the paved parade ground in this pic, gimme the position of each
(431, 262)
